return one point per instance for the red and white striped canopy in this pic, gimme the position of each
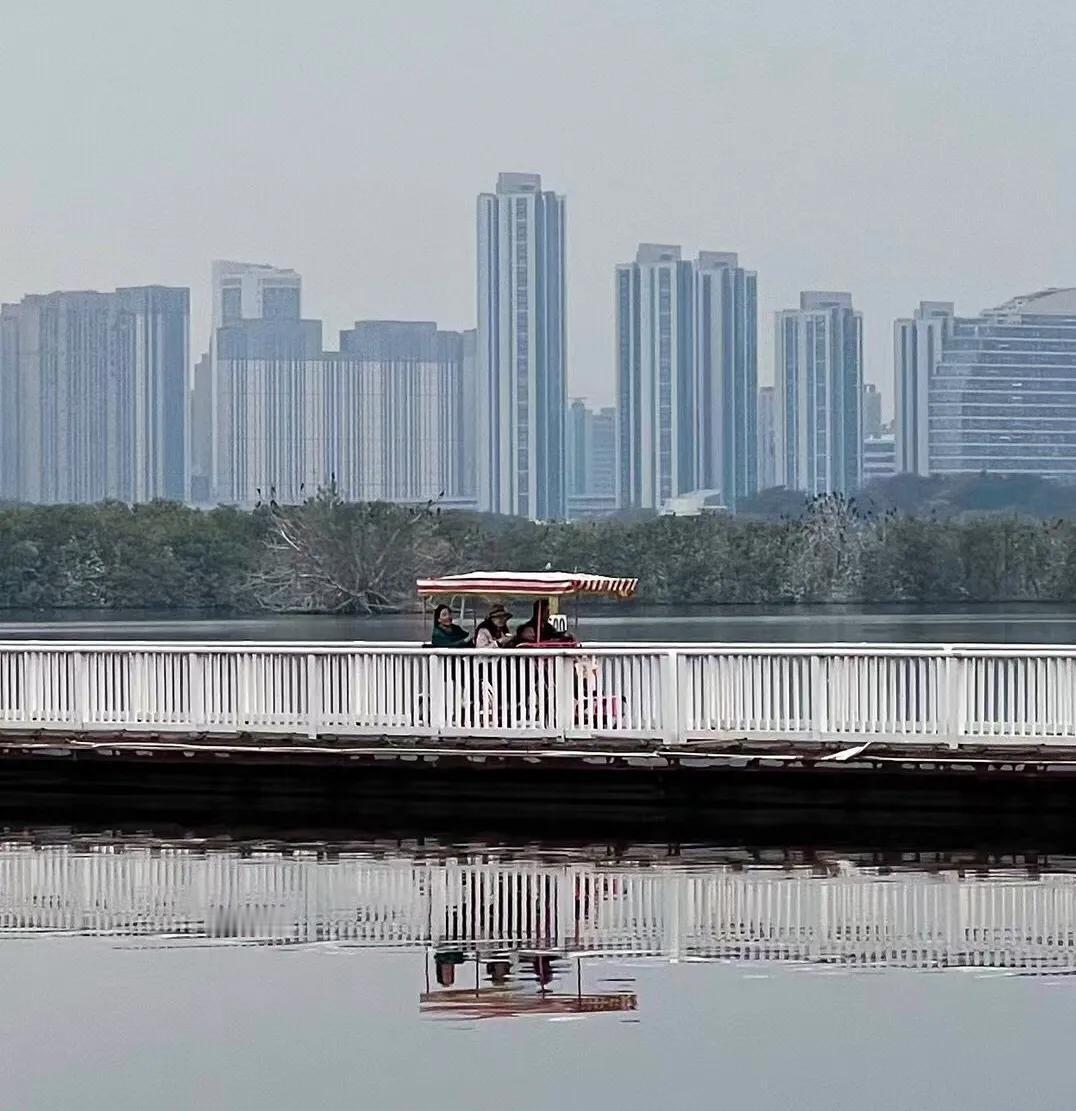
(521, 584)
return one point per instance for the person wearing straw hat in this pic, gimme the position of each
(494, 632)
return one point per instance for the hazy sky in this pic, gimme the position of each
(899, 149)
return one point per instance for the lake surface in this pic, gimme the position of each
(1016, 624)
(141, 973)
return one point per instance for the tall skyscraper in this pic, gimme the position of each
(726, 376)
(257, 316)
(687, 376)
(655, 377)
(917, 349)
(384, 418)
(767, 438)
(94, 396)
(818, 359)
(521, 385)
(993, 393)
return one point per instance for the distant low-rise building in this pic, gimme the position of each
(767, 437)
(872, 411)
(879, 458)
(591, 452)
(693, 504)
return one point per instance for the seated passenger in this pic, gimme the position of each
(494, 632)
(446, 633)
(544, 632)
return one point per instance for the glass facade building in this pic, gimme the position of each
(994, 393)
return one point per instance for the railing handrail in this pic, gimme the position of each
(783, 648)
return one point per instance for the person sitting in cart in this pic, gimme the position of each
(543, 630)
(446, 633)
(494, 631)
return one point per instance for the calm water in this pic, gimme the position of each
(148, 974)
(1048, 624)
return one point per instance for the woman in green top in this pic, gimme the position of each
(446, 633)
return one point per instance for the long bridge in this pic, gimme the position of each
(958, 704)
(834, 911)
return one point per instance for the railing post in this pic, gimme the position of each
(670, 697)
(819, 698)
(81, 694)
(196, 679)
(951, 711)
(313, 695)
(565, 694)
(437, 688)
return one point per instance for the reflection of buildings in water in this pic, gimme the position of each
(841, 913)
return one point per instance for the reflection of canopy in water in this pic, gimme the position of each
(510, 1002)
(523, 584)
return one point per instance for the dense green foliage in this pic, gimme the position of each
(112, 556)
(329, 556)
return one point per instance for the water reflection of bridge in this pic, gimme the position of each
(839, 912)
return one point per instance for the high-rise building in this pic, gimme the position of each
(726, 376)
(591, 451)
(521, 375)
(993, 393)
(201, 431)
(384, 418)
(655, 377)
(872, 411)
(917, 349)
(818, 362)
(420, 352)
(94, 396)
(687, 376)
(256, 315)
(767, 437)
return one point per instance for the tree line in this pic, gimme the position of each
(330, 556)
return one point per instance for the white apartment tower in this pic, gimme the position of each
(918, 345)
(521, 384)
(686, 376)
(818, 362)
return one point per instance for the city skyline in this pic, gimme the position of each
(826, 124)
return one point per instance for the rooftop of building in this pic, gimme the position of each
(825, 299)
(649, 253)
(229, 268)
(716, 260)
(519, 183)
(1054, 301)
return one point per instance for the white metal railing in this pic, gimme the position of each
(909, 694)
